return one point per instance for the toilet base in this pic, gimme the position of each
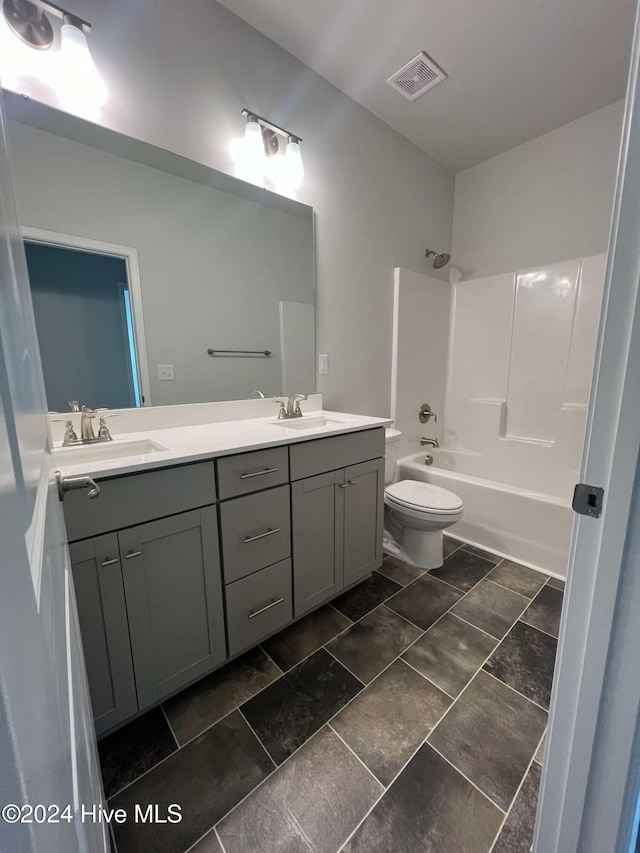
(421, 548)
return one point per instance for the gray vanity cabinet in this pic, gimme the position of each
(102, 613)
(171, 571)
(363, 519)
(165, 595)
(317, 509)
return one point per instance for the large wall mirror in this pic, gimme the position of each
(157, 280)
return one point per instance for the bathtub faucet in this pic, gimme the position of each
(431, 442)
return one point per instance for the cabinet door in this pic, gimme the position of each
(97, 578)
(363, 519)
(173, 591)
(317, 509)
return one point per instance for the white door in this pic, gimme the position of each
(48, 756)
(591, 778)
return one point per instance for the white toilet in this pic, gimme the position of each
(415, 513)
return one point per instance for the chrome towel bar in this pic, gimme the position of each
(266, 353)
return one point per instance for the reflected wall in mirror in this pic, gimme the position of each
(138, 270)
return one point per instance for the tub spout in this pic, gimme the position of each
(430, 442)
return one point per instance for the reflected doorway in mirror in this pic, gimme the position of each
(90, 328)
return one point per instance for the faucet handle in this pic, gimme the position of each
(282, 411)
(103, 429)
(69, 431)
(425, 413)
(74, 405)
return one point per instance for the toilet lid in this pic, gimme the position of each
(418, 495)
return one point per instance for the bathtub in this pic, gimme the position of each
(529, 527)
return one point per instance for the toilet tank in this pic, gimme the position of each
(392, 447)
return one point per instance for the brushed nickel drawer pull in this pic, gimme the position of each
(353, 482)
(258, 473)
(132, 554)
(109, 561)
(253, 613)
(344, 485)
(269, 532)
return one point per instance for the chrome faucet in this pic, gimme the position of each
(87, 435)
(430, 442)
(291, 407)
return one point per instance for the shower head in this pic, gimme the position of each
(439, 259)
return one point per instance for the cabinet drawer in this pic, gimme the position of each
(310, 458)
(256, 532)
(258, 605)
(136, 498)
(250, 472)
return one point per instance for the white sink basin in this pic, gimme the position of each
(109, 450)
(309, 423)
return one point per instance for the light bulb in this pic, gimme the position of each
(254, 146)
(80, 86)
(294, 170)
(248, 154)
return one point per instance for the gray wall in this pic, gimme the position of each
(545, 201)
(213, 266)
(79, 309)
(180, 80)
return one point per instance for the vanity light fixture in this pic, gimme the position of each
(257, 155)
(76, 78)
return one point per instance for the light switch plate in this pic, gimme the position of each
(165, 372)
(323, 364)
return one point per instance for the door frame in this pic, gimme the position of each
(130, 256)
(591, 774)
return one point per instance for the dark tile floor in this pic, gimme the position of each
(408, 715)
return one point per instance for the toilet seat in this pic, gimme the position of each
(414, 496)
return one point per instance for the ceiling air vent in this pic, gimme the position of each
(418, 75)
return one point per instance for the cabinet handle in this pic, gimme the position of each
(258, 473)
(348, 483)
(269, 532)
(109, 561)
(132, 554)
(274, 601)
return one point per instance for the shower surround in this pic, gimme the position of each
(519, 361)
(521, 352)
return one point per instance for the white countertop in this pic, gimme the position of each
(204, 441)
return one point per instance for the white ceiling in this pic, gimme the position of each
(517, 68)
